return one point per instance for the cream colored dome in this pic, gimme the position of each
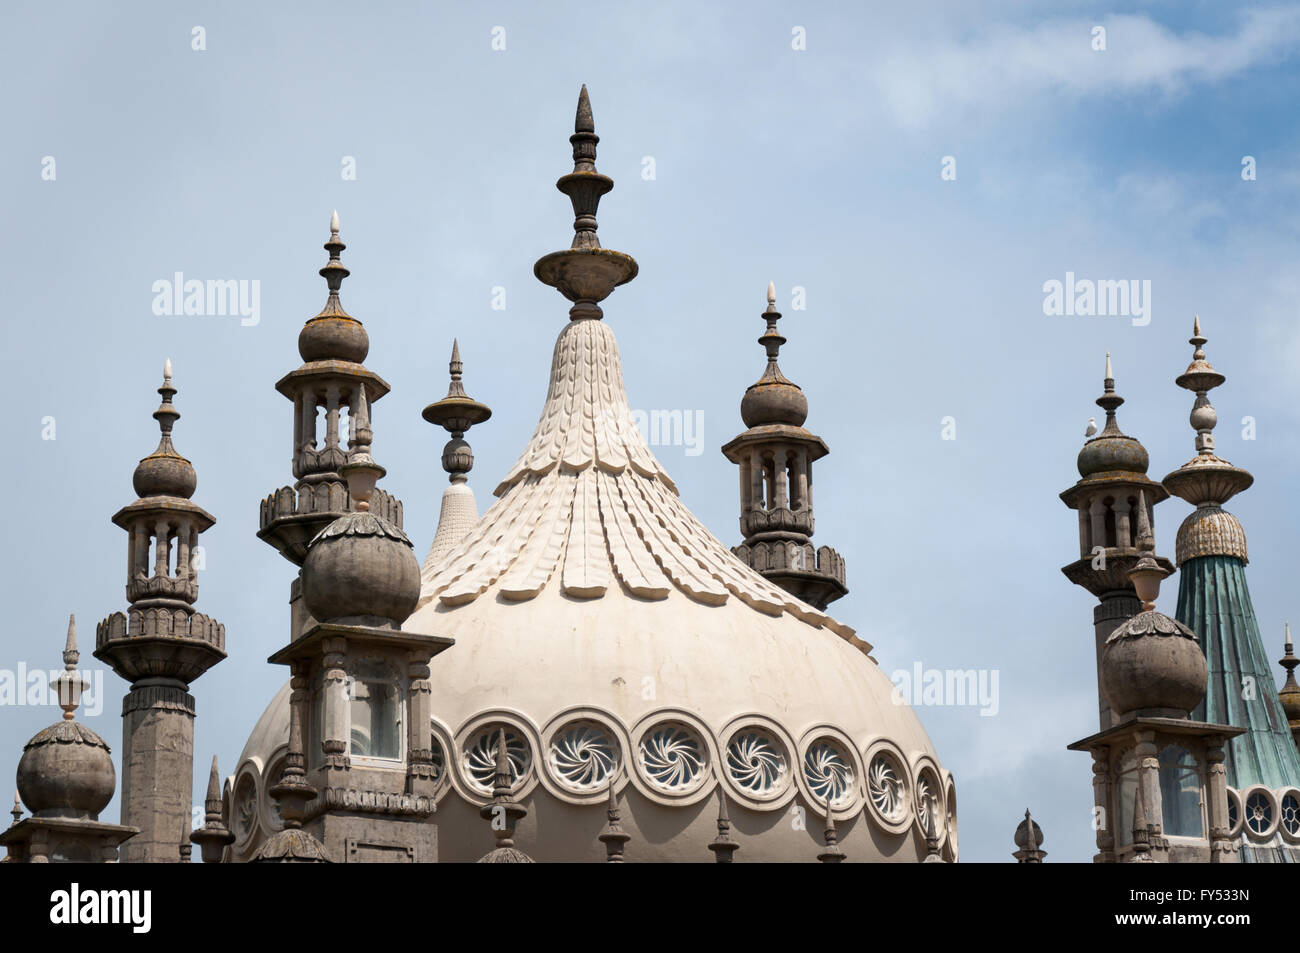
(600, 622)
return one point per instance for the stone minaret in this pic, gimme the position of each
(455, 413)
(333, 346)
(359, 775)
(160, 645)
(1159, 788)
(1112, 471)
(775, 456)
(1214, 600)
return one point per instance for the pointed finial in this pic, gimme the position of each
(70, 683)
(1196, 325)
(70, 654)
(723, 846)
(361, 471)
(771, 296)
(1146, 575)
(17, 812)
(832, 854)
(1288, 637)
(334, 224)
(214, 785)
(334, 272)
(167, 370)
(501, 787)
(584, 122)
(613, 836)
(1110, 375)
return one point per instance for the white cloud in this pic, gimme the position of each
(1004, 65)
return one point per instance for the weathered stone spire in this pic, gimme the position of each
(832, 854)
(504, 812)
(585, 273)
(775, 456)
(160, 645)
(213, 837)
(723, 846)
(455, 413)
(71, 683)
(613, 836)
(17, 812)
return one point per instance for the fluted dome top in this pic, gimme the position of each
(1210, 531)
(66, 771)
(1289, 695)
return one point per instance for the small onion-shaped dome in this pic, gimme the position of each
(1153, 663)
(165, 473)
(774, 400)
(333, 337)
(1022, 835)
(1112, 451)
(361, 566)
(66, 771)
(1289, 695)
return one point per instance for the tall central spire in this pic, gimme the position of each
(585, 273)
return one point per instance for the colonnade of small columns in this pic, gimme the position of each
(1111, 523)
(765, 485)
(156, 533)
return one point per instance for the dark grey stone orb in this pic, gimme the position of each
(1153, 664)
(66, 771)
(361, 566)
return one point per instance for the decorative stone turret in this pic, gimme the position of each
(1159, 785)
(359, 774)
(160, 645)
(455, 413)
(1214, 599)
(1029, 842)
(333, 346)
(1112, 470)
(775, 456)
(66, 777)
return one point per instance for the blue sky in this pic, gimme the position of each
(818, 168)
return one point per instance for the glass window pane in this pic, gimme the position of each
(1180, 792)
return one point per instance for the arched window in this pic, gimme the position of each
(1181, 798)
(376, 710)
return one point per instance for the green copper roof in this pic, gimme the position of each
(1214, 601)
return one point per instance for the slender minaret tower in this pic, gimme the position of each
(333, 346)
(1214, 601)
(160, 645)
(775, 456)
(1112, 471)
(1289, 693)
(455, 413)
